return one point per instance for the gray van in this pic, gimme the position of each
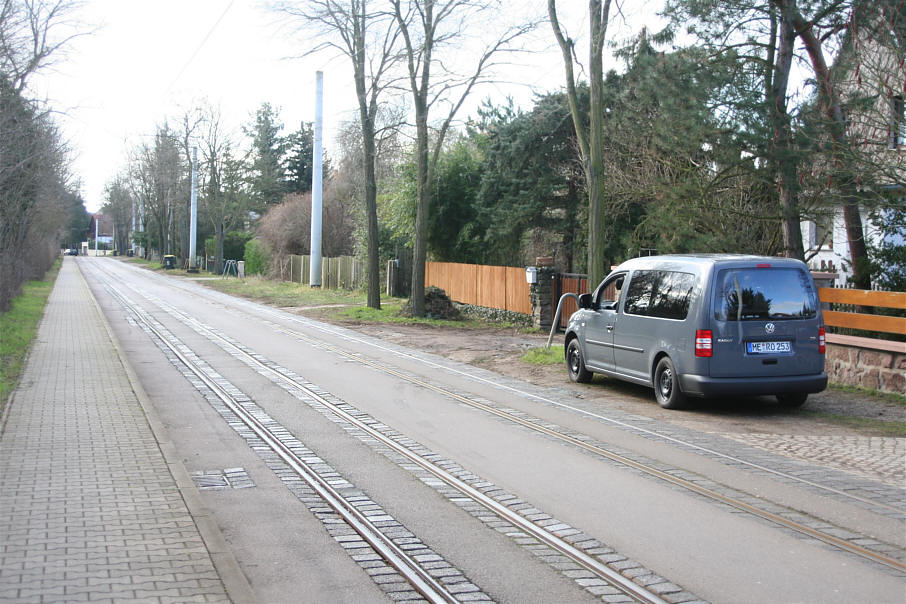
(703, 325)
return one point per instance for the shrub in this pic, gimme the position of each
(257, 257)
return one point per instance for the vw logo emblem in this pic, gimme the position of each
(769, 328)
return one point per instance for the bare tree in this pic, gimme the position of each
(427, 27)
(158, 180)
(224, 191)
(368, 38)
(119, 207)
(590, 138)
(33, 163)
(28, 36)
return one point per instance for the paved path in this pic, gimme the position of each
(879, 458)
(92, 506)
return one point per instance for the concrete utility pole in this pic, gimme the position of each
(314, 279)
(193, 222)
(133, 226)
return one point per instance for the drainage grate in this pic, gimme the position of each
(217, 480)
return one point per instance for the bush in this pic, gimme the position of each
(257, 257)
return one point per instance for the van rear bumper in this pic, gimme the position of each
(703, 385)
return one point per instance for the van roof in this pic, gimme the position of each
(708, 260)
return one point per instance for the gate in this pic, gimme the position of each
(564, 283)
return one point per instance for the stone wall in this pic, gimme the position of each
(853, 365)
(542, 297)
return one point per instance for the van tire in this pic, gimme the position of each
(575, 363)
(792, 399)
(666, 385)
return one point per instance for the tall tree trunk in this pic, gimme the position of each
(367, 116)
(784, 154)
(420, 252)
(591, 143)
(830, 102)
(374, 269)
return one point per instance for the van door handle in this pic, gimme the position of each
(609, 327)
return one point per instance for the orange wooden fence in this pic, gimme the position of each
(864, 297)
(502, 287)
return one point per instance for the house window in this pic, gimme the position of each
(824, 232)
(897, 123)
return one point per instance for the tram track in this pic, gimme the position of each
(647, 432)
(528, 423)
(421, 580)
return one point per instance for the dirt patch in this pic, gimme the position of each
(833, 411)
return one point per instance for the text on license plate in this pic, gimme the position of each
(768, 347)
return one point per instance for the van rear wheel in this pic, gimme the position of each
(792, 399)
(666, 385)
(575, 363)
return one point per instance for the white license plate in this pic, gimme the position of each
(768, 347)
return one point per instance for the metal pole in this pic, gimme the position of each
(133, 226)
(96, 235)
(314, 279)
(193, 222)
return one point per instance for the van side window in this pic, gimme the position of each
(757, 294)
(663, 294)
(609, 291)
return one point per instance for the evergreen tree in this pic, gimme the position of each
(266, 179)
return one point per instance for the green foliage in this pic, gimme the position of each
(233, 245)
(452, 229)
(78, 220)
(888, 257)
(533, 178)
(267, 171)
(257, 257)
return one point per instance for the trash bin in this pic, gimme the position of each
(169, 261)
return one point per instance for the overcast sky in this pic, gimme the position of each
(146, 60)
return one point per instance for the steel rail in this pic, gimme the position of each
(741, 505)
(647, 469)
(627, 586)
(421, 580)
(737, 460)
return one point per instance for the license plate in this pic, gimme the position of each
(768, 347)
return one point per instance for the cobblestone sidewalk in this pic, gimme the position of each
(91, 510)
(879, 458)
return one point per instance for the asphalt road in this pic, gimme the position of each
(708, 550)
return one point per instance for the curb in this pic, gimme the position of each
(234, 580)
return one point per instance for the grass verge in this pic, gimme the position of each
(17, 330)
(285, 293)
(544, 355)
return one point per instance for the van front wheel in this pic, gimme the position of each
(666, 385)
(575, 363)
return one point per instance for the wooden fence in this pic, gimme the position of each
(501, 287)
(342, 272)
(859, 320)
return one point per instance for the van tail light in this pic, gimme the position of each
(822, 340)
(703, 343)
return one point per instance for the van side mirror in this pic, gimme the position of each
(585, 301)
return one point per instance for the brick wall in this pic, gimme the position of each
(853, 365)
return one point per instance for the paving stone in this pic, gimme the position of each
(96, 513)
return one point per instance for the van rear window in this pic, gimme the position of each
(753, 294)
